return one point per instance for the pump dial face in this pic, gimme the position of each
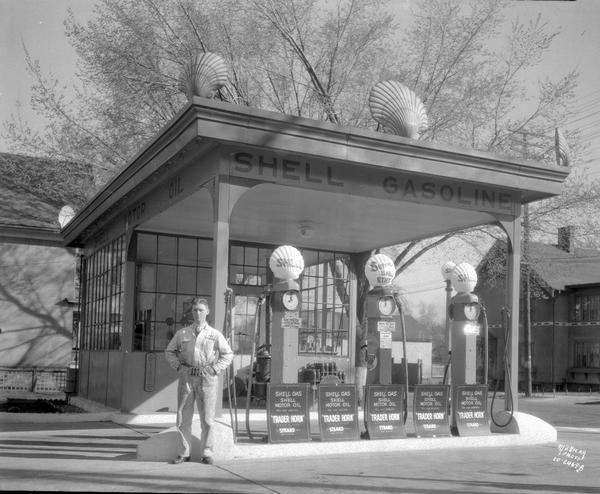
(386, 305)
(471, 311)
(290, 300)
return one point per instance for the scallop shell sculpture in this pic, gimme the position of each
(398, 109)
(380, 270)
(447, 269)
(464, 278)
(286, 262)
(203, 75)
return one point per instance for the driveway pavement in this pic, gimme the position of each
(580, 410)
(101, 456)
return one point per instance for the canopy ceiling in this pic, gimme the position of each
(273, 214)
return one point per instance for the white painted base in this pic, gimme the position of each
(527, 426)
(164, 445)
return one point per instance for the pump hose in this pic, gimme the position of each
(233, 383)
(228, 331)
(259, 303)
(403, 327)
(484, 323)
(447, 367)
(505, 315)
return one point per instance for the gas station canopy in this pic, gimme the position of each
(302, 182)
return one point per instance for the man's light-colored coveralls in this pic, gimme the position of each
(198, 355)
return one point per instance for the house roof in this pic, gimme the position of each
(561, 269)
(553, 266)
(23, 209)
(26, 216)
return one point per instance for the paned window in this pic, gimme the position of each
(586, 308)
(248, 265)
(102, 301)
(587, 354)
(324, 290)
(170, 271)
(324, 287)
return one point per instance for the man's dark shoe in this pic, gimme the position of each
(207, 460)
(180, 459)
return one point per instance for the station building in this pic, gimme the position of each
(201, 208)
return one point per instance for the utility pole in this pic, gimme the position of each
(527, 274)
(528, 391)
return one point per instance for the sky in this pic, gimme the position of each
(39, 25)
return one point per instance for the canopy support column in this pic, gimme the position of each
(513, 274)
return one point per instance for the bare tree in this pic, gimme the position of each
(304, 57)
(313, 58)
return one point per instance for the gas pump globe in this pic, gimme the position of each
(381, 309)
(287, 265)
(464, 311)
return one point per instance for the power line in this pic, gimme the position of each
(583, 108)
(591, 93)
(579, 119)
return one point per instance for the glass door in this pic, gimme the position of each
(245, 328)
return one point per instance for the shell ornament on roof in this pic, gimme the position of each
(203, 75)
(398, 109)
(561, 146)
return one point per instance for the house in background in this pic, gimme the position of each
(565, 314)
(38, 296)
(419, 351)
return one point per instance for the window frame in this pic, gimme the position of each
(103, 297)
(151, 332)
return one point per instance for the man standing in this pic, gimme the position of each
(198, 353)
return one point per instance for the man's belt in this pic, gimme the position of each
(196, 371)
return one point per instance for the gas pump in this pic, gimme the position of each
(287, 265)
(382, 317)
(464, 313)
(381, 307)
(468, 319)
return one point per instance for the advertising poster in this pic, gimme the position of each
(430, 410)
(470, 410)
(384, 415)
(338, 412)
(288, 418)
